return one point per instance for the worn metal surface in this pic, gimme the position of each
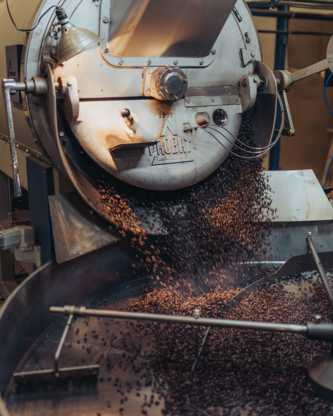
(298, 197)
(170, 30)
(76, 229)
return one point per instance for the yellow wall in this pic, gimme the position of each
(309, 148)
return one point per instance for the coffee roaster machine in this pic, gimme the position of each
(152, 93)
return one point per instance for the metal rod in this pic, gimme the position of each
(61, 343)
(320, 268)
(291, 15)
(8, 85)
(290, 32)
(201, 348)
(224, 323)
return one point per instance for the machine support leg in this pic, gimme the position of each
(280, 58)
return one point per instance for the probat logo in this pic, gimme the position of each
(171, 148)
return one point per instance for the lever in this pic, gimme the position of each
(37, 86)
(289, 129)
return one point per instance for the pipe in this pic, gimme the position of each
(169, 319)
(291, 15)
(290, 32)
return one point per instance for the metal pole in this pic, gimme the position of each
(224, 323)
(280, 57)
(291, 15)
(61, 343)
(320, 268)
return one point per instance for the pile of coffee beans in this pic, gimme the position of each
(240, 372)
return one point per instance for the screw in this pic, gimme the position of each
(175, 62)
(213, 100)
(61, 134)
(120, 61)
(252, 54)
(148, 62)
(255, 80)
(201, 62)
(27, 151)
(213, 52)
(106, 50)
(17, 145)
(188, 101)
(244, 82)
(196, 314)
(105, 20)
(69, 84)
(318, 318)
(248, 40)
(309, 234)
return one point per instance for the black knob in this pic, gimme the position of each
(125, 112)
(61, 14)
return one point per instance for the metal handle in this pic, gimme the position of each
(8, 87)
(289, 129)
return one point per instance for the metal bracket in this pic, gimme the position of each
(248, 85)
(69, 92)
(246, 56)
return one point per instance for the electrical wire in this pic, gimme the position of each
(27, 30)
(260, 154)
(330, 162)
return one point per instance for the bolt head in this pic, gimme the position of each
(255, 80)
(106, 50)
(201, 62)
(61, 134)
(252, 54)
(120, 61)
(309, 234)
(105, 20)
(188, 101)
(148, 62)
(244, 82)
(213, 52)
(69, 84)
(175, 62)
(318, 318)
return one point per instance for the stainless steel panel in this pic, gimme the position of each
(173, 28)
(76, 229)
(298, 197)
